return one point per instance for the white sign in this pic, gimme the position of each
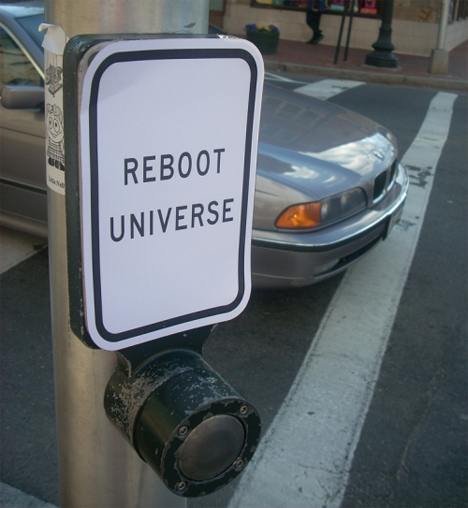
(169, 133)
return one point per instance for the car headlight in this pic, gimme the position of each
(323, 213)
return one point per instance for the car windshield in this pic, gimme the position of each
(31, 25)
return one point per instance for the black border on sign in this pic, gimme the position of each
(165, 54)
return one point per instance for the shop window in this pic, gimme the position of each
(362, 7)
(217, 9)
(458, 10)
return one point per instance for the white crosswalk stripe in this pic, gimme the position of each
(328, 88)
(14, 498)
(270, 76)
(16, 247)
(306, 455)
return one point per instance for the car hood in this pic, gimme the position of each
(311, 149)
(318, 147)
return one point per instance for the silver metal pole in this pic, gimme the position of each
(439, 61)
(443, 24)
(97, 467)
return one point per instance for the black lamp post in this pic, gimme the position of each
(383, 56)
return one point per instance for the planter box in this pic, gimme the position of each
(266, 42)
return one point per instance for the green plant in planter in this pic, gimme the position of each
(265, 37)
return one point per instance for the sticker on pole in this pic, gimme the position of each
(168, 132)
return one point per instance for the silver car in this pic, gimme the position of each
(329, 184)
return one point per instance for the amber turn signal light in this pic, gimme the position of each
(303, 216)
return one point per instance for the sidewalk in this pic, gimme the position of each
(293, 56)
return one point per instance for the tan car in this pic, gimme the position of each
(329, 184)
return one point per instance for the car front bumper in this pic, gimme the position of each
(281, 260)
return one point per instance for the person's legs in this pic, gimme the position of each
(313, 21)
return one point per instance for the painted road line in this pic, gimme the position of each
(14, 498)
(16, 247)
(328, 88)
(270, 76)
(305, 457)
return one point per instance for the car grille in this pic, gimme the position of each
(384, 181)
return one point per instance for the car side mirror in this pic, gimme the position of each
(22, 97)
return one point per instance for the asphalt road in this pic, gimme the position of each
(408, 446)
(412, 451)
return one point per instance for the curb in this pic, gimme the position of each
(371, 77)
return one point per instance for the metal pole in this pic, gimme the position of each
(338, 44)
(97, 467)
(350, 26)
(438, 63)
(443, 24)
(383, 46)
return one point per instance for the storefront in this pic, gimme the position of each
(415, 22)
